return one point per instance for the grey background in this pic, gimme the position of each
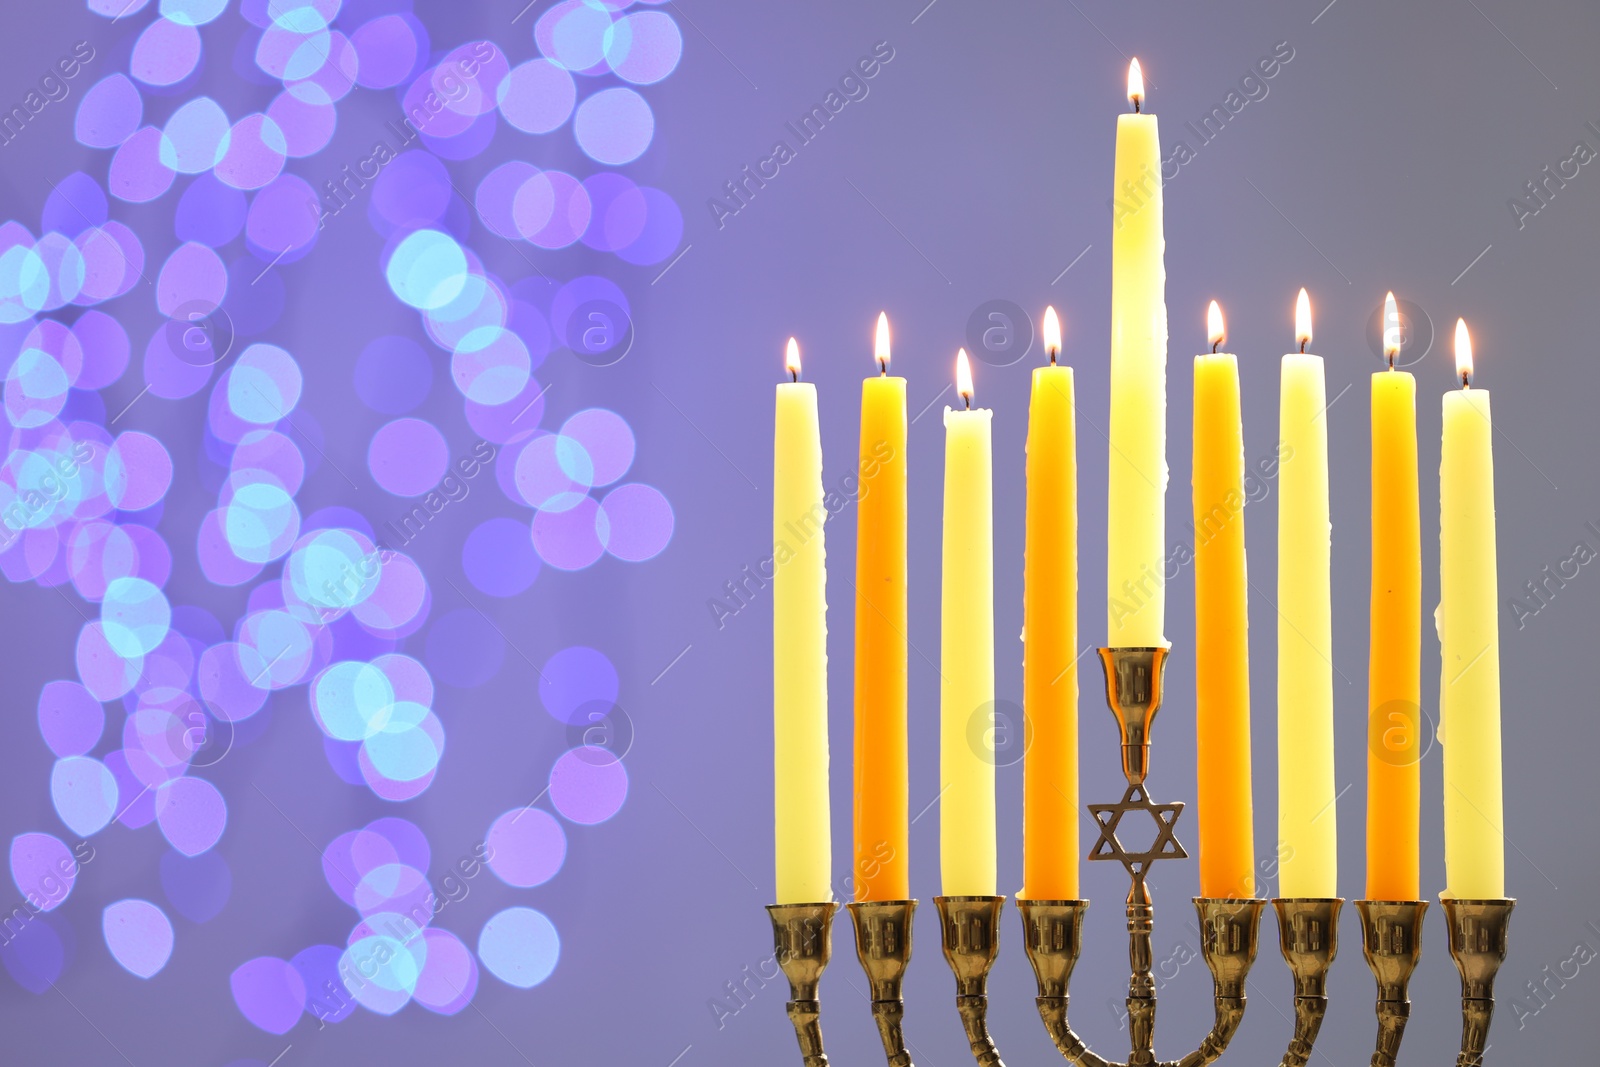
(978, 168)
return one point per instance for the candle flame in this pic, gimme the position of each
(964, 376)
(1463, 354)
(791, 359)
(1391, 329)
(880, 348)
(1052, 334)
(1302, 320)
(1135, 84)
(1216, 330)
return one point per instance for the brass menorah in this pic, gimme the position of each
(1308, 936)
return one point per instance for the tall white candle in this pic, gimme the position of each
(1136, 503)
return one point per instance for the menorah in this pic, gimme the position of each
(1308, 936)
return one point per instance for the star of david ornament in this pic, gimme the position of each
(1109, 816)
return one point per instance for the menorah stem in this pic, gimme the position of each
(1141, 987)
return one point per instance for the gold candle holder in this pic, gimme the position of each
(883, 945)
(1391, 941)
(802, 935)
(1477, 930)
(971, 939)
(1308, 937)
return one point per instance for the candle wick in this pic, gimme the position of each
(794, 375)
(883, 367)
(968, 399)
(1052, 357)
(1136, 105)
(1466, 379)
(1214, 345)
(1302, 347)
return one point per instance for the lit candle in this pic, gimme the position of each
(1394, 658)
(799, 647)
(1135, 512)
(882, 856)
(1221, 625)
(966, 651)
(1050, 633)
(1469, 637)
(1307, 821)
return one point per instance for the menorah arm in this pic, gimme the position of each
(1308, 1013)
(1053, 1010)
(974, 1011)
(1230, 1010)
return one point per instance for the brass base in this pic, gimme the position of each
(883, 945)
(971, 938)
(1391, 941)
(1477, 930)
(1308, 935)
(802, 934)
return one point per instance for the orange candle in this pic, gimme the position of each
(1394, 675)
(1049, 634)
(881, 827)
(1222, 627)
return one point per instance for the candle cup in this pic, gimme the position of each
(1134, 678)
(1229, 934)
(971, 938)
(1052, 933)
(1308, 936)
(883, 945)
(1391, 941)
(1477, 930)
(802, 935)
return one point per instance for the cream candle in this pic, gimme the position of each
(1469, 639)
(799, 647)
(1307, 820)
(966, 651)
